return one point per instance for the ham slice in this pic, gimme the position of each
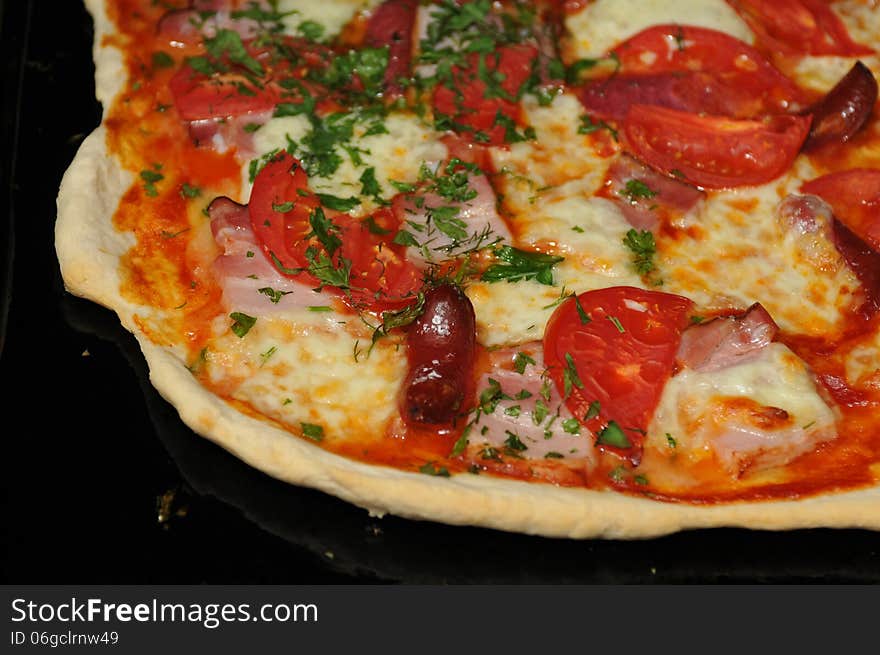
(243, 270)
(478, 218)
(653, 197)
(727, 341)
(184, 27)
(527, 406)
(222, 134)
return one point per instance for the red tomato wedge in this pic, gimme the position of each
(282, 234)
(237, 91)
(281, 205)
(854, 195)
(198, 97)
(713, 152)
(473, 106)
(691, 69)
(798, 27)
(610, 353)
(391, 24)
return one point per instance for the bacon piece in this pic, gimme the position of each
(479, 216)
(242, 270)
(393, 24)
(221, 134)
(186, 27)
(809, 220)
(727, 341)
(526, 406)
(755, 438)
(826, 243)
(661, 198)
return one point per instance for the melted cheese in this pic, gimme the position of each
(734, 252)
(395, 155)
(601, 25)
(333, 16)
(547, 186)
(692, 407)
(300, 369)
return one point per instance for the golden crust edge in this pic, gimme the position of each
(88, 248)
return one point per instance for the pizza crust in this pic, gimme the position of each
(89, 248)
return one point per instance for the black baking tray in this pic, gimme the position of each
(105, 484)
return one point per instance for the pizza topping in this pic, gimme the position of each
(864, 262)
(845, 109)
(250, 282)
(691, 69)
(759, 412)
(391, 24)
(810, 222)
(798, 27)
(646, 197)
(441, 347)
(726, 341)
(620, 359)
(710, 151)
(854, 195)
(318, 247)
(451, 213)
(520, 416)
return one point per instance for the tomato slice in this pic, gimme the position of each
(695, 69)
(621, 343)
(282, 183)
(798, 27)
(198, 97)
(380, 276)
(473, 106)
(711, 151)
(854, 195)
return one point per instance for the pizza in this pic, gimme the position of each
(576, 268)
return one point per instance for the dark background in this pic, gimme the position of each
(90, 450)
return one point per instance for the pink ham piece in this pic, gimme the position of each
(743, 446)
(222, 134)
(513, 414)
(183, 27)
(242, 270)
(726, 341)
(479, 215)
(826, 243)
(670, 198)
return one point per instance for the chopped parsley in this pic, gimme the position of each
(273, 294)
(593, 410)
(189, 191)
(643, 248)
(570, 376)
(521, 265)
(150, 178)
(520, 361)
(513, 442)
(634, 190)
(571, 425)
(242, 323)
(429, 468)
(613, 435)
(588, 126)
(312, 431)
